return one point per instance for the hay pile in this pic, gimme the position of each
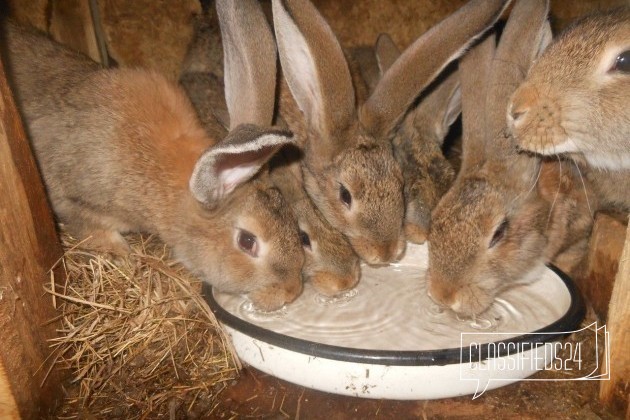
(136, 337)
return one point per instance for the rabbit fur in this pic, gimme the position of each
(122, 150)
(349, 169)
(574, 102)
(330, 263)
(417, 141)
(507, 213)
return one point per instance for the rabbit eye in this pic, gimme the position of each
(622, 62)
(248, 243)
(499, 233)
(306, 241)
(345, 196)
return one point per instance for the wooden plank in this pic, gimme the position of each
(615, 392)
(71, 24)
(28, 248)
(8, 406)
(29, 13)
(605, 247)
(148, 33)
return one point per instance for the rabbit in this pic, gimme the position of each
(574, 101)
(417, 141)
(122, 150)
(349, 169)
(575, 98)
(507, 213)
(330, 264)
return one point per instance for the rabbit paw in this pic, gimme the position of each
(107, 241)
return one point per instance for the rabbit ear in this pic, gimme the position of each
(424, 60)
(545, 38)
(315, 69)
(474, 69)
(386, 52)
(222, 116)
(249, 56)
(441, 107)
(234, 161)
(525, 33)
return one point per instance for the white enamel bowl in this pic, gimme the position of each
(387, 339)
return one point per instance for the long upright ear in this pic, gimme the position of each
(315, 68)
(249, 57)
(523, 38)
(386, 52)
(234, 161)
(423, 60)
(545, 38)
(474, 70)
(441, 107)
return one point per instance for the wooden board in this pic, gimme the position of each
(28, 249)
(71, 24)
(616, 391)
(606, 244)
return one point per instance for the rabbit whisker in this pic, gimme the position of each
(521, 194)
(535, 180)
(588, 203)
(557, 194)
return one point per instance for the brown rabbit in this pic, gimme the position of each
(330, 263)
(507, 213)
(122, 150)
(349, 169)
(418, 140)
(575, 101)
(575, 98)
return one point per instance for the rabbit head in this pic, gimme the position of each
(349, 168)
(575, 97)
(262, 225)
(240, 234)
(417, 143)
(488, 230)
(329, 261)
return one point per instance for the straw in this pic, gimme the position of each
(135, 335)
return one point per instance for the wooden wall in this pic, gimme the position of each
(28, 249)
(155, 34)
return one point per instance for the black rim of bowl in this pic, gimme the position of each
(551, 333)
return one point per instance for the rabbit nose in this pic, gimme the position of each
(400, 249)
(331, 284)
(377, 253)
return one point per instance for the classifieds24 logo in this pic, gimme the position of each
(492, 358)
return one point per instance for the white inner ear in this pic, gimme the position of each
(453, 109)
(546, 36)
(298, 63)
(232, 177)
(220, 170)
(235, 169)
